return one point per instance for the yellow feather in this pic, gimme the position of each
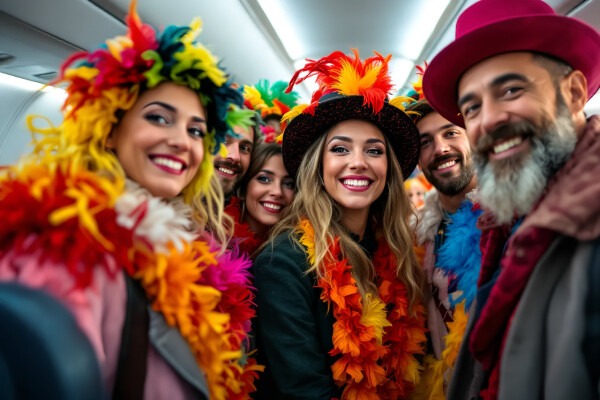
(400, 101)
(253, 96)
(348, 80)
(308, 239)
(294, 112)
(456, 331)
(350, 83)
(438, 372)
(117, 45)
(431, 386)
(374, 314)
(192, 34)
(370, 77)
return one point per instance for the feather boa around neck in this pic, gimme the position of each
(460, 257)
(81, 220)
(377, 337)
(460, 254)
(438, 372)
(429, 219)
(244, 237)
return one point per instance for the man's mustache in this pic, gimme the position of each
(442, 159)
(509, 130)
(236, 167)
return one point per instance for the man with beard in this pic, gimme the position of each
(520, 75)
(231, 168)
(449, 239)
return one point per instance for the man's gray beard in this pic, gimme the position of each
(510, 188)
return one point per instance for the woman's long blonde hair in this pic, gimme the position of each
(389, 214)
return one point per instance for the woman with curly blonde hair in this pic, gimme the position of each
(108, 213)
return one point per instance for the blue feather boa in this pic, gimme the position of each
(460, 255)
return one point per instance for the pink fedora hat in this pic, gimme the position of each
(492, 27)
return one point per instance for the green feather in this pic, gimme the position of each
(238, 117)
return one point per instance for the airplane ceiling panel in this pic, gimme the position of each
(228, 30)
(79, 23)
(244, 33)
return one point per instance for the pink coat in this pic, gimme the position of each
(100, 312)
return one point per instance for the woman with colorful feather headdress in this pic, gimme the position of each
(339, 291)
(110, 208)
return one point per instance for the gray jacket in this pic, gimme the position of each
(545, 351)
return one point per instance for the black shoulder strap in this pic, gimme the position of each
(131, 370)
(591, 341)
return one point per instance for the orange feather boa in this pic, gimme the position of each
(376, 337)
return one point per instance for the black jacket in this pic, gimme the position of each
(294, 327)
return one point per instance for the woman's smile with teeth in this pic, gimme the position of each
(355, 182)
(273, 207)
(169, 163)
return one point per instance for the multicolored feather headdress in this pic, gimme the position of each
(270, 100)
(349, 88)
(417, 87)
(104, 83)
(418, 107)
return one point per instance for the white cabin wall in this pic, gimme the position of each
(19, 99)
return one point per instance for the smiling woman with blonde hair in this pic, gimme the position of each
(339, 291)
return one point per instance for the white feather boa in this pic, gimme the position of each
(431, 215)
(429, 218)
(156, 220)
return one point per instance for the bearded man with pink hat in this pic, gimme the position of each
(517, 77)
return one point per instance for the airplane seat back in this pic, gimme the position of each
(43, 352)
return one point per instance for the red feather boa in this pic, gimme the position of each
(247, 241)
